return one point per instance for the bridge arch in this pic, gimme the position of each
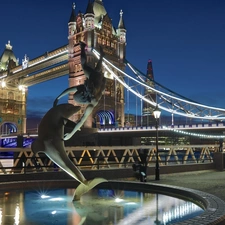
(8, 128)
(105, 117)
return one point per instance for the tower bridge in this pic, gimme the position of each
(15, 82)
(113, 146)
(95, 28)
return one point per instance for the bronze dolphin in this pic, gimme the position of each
(50, 141)
(50, 138)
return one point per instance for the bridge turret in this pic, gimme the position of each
(8, 59)
(89, 25)
(13, 95)
(72, 22)
(121, 33)
(95, 28)
(89, 17)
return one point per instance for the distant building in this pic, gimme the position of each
(147, 109)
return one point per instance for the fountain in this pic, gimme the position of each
(97, 201)
(112, 202)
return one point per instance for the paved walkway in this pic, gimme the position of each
(209, 181)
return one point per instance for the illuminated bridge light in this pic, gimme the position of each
(106, 117)
(3, 84)
(210, 136)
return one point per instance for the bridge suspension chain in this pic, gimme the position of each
(167, 100)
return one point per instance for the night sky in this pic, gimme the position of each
(185, 40)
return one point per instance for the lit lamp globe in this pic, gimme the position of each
(157, 112)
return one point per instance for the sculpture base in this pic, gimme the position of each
(82, 189)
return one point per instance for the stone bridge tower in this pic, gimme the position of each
(94, 27)
(12, 96)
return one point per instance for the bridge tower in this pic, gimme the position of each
(12, 96)
(147, 109)
(95, 28)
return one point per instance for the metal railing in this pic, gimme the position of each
(23, 160)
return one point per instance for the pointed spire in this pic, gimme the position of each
(8, 46)
(89, 17)
(89, 9)
(150, 70)
(73, 14)
(150, 94)
(121, 22)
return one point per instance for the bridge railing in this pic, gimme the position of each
(161, 127)
(106, 157)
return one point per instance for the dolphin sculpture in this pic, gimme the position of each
(50, 138)
(50, 141)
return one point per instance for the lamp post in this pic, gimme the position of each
(156, 114)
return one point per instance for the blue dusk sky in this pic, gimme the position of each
(184, 38)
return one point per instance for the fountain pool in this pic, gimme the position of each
(102, 206)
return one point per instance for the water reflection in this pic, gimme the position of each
(100, 207)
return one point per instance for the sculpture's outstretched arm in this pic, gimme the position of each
(65, 92)
(80, 123)
(99, 64)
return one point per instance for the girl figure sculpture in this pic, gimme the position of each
(88, 93)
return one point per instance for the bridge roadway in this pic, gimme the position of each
(192, 127)
(198, 133)
(211, 133)
(214, 127)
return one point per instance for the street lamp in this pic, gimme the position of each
(156, 114)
